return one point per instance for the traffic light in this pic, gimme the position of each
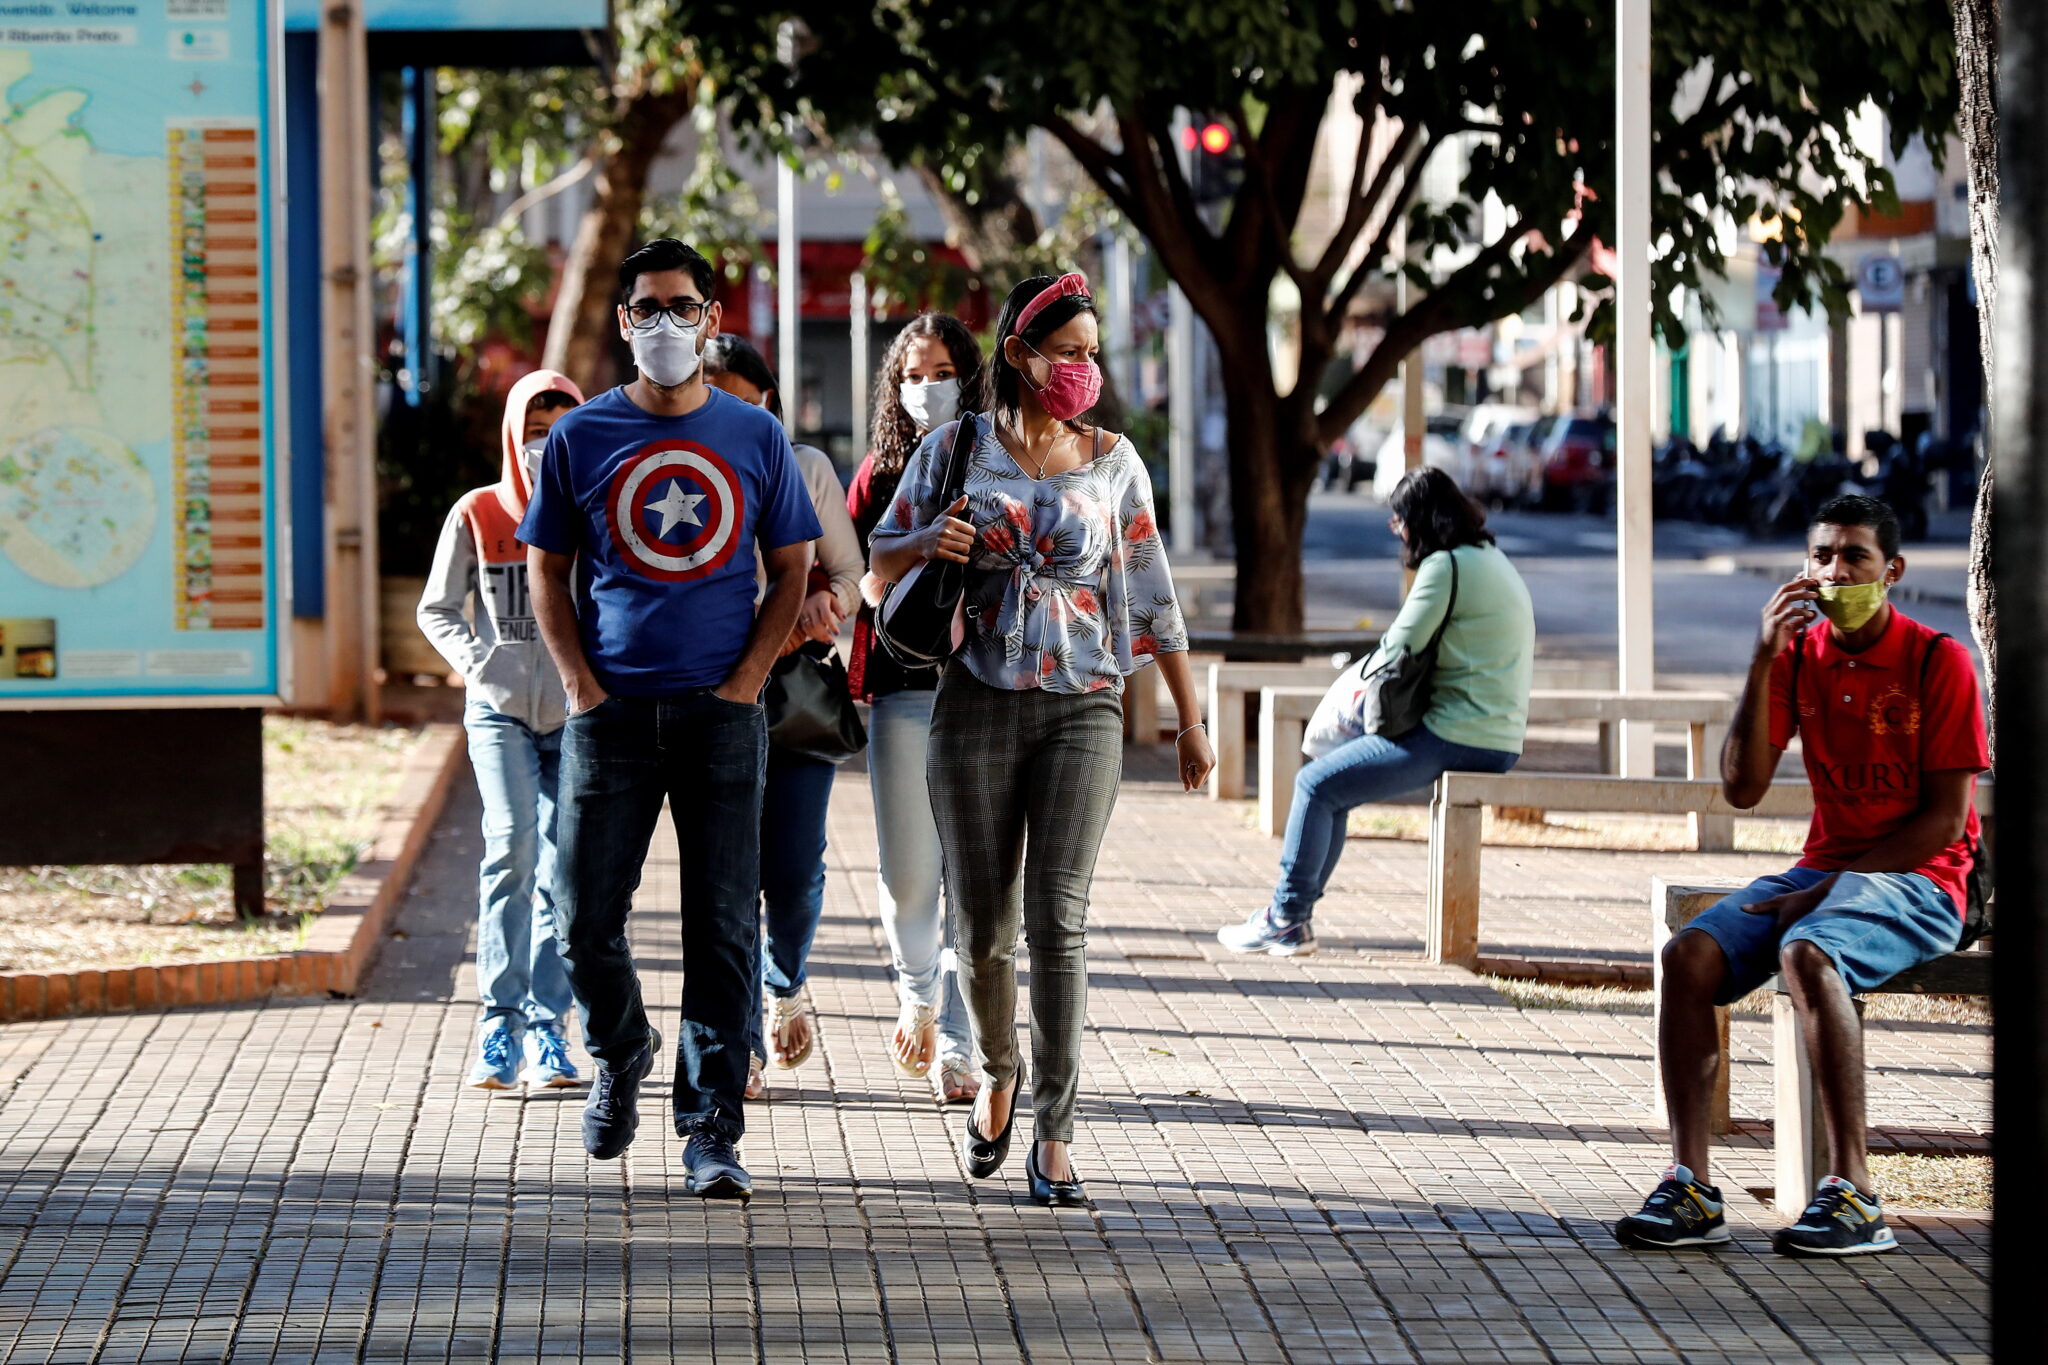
(1216, 166)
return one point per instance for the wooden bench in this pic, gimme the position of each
(1799, 1139)
(1231, 683)
(1285, 712)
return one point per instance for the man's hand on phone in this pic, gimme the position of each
(1790, 608)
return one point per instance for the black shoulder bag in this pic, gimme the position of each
(1397, 693)
(919, 620)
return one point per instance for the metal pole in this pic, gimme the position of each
(1633, 356)
(348, 364)
(1123, 366)
(788, 265)
(857, 315)
(420, 145)
(2019, 417)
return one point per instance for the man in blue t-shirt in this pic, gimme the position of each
(651, 501)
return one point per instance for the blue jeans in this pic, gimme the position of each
(1872, 926)
(793, 807)
(707, 756)
(907, 837)
(519, 973)
(1369, 768)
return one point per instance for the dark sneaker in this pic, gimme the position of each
(712, 1170)
(1680, 1212)
(1263, 934)
(612, 1113)
(1841, 1221)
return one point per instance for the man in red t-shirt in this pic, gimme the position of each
(1892, 729)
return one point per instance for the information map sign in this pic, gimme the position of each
(139, 476)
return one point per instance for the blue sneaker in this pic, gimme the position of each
(547, 1059)
(712, 1170)
(1680, 1212)
(497, 1060)
(1841, 1221)
(1262, 934)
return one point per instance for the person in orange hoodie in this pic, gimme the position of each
(513, 714)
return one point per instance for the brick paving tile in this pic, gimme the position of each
(1353, 1157)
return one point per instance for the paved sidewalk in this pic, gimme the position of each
(1356, 1157)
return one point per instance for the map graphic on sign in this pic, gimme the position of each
(136, 470)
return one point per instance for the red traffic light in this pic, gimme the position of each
(1215, 139)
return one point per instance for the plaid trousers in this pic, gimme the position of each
(1022, 787)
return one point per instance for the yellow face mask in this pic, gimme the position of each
(1850, 605)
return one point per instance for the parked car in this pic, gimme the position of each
(1478, 435)
(1578, 464)
(1493, 477)
(1439, 449)
(1522, 482)
(1350, 461)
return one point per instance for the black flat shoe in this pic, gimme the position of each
(985, 1155)
(1062, 1194)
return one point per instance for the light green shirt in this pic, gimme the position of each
(1479, 695)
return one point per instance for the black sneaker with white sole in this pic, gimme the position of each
(611, 1116)
(1680, 1212)
(1841, 1221)
(712, 1170)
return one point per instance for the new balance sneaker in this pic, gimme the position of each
(1263, 934)
(612, 1113)
(547, 1059)
(1680, 1212)
(497, 1056)
(1841, 1221)
(712, 1170)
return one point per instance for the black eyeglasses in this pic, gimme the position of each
(647, 313)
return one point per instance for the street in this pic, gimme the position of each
(1706, 612)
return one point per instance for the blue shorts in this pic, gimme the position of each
(1872, 926)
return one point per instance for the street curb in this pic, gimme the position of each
(340, 946)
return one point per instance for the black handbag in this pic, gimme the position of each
(1397, 693)
(919, 620)
(810, 710)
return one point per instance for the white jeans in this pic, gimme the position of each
(899, 733)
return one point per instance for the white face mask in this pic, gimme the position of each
(930, 405)
(529, 458)
(666, 352)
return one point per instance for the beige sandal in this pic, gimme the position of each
(757, 1080)
(918, 1022)
(789, 1009)
(955, 1082)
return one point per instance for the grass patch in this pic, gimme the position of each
(1546, 995)
(1933, 1182)
(325, 791)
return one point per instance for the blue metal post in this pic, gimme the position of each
(416, 303)
(302, 282)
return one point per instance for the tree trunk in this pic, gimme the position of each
(581, 328)
(995, 229)
(1272, 467)
(1977, 78)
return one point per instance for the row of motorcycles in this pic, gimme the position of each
(1760, 488)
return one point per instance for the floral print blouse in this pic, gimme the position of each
(1067, 584)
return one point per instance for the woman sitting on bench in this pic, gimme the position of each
(1478, 706)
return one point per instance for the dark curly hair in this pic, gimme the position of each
(892, 435)
(1000, 381)
(1437, 515)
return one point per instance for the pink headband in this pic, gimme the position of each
(1073, 282)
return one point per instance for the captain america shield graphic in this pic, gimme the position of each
(676, 510)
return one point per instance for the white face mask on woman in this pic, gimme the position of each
(666, 352)
(930, 405)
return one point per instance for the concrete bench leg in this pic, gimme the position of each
(1279, 764)
(1452, 933)
(1610, 751)
(1710, 833)
(1799, 1134)
(1226, 732)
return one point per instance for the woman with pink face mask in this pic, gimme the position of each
(1067, 594)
